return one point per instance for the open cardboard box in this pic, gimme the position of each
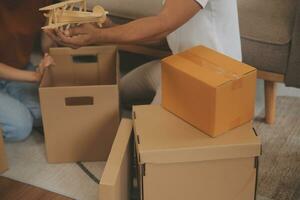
(3, 160)
(79, 99)
(209, 90)
(176, 161)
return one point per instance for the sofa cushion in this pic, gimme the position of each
(131, 9)
(268, 21)
(265, 56)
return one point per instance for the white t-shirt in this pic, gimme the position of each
(215, 26)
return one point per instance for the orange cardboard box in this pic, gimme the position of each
(80, 103)
(177, 161)
(211, 91)
(3, 160)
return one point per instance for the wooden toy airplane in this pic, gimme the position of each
(66, 13)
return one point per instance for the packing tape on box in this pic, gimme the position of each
(209, 65)
(237, 84)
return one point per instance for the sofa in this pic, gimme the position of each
(270, 37)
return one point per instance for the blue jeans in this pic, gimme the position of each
(19, 108)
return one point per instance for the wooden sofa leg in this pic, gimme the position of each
(270, 101)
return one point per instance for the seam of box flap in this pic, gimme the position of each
(219, 70)
(196, 77)
(220, 54)
(191, 56)
(242, 76)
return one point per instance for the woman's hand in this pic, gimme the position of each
(45, 63)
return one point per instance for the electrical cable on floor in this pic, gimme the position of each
(90, 174)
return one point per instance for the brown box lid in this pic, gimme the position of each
(162, 137)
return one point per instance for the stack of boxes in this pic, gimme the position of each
(200, 143)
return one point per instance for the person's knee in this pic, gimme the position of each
(19, 129)
(140, 85)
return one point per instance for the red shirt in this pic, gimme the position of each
(20, 24)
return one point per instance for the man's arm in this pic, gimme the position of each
(174, 14)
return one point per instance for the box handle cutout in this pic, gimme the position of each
(85, 59)
(79, 101)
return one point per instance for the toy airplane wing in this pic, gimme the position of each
(54, 26)
(61, 4)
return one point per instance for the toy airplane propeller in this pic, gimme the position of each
(66, 13)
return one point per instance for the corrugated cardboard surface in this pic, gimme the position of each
(164, 138)
(80, 103)
(116, 180)
(3, 160)
(209, 90)
(177, 161)
(212, 180)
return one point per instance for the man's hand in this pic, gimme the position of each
(84, 35)
(174, 14)
(53, 35)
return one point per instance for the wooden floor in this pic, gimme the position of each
(13, 190)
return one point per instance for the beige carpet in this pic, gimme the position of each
(28, 164)
(279, 173)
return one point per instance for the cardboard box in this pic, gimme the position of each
(177, 161)
(116, 180)
(3, 160)
(211, 91)
(80, 103)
